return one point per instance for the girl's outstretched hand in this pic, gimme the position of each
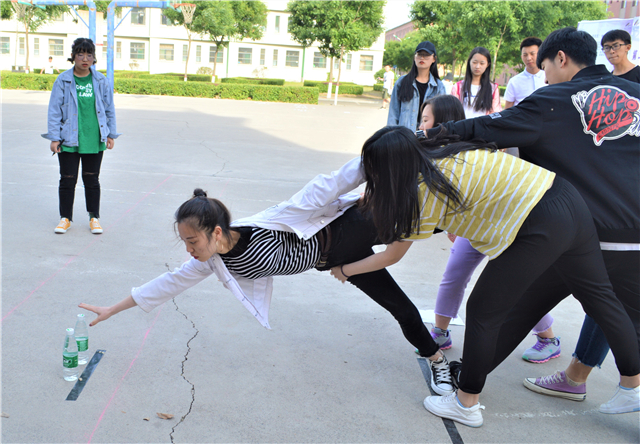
(103, 313)
(336, 272)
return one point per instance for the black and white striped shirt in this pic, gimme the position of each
(261, 252)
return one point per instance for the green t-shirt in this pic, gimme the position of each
(88, 126)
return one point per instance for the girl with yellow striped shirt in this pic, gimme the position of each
(528, 221)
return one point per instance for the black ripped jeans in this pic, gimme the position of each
(353, 235)
(69, 164)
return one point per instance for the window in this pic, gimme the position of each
(104, 48)
(198, 53)
(292, 58)
(263, 54)
(166, 20)
(137, 51)
(185, 52)
(319, 61)
(59, 18)
(118, 50)
(56, 47)
(166, 51)
(5, 44)
(348, 61)
(36, 46)
(336, 63)
(277, 23)
(212, 54)
(21, 50)
(366, 63)
(244, 56)
(137, 16)
(275, 57)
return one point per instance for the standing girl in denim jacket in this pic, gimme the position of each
(81, 125)
(412, 89)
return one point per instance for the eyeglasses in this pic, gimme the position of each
(84, 55)
(614, 47)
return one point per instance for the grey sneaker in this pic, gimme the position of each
(543, 350)
(624, 400)
(449, 407)
(442, 338)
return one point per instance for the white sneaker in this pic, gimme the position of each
(449, 407)
(441, 376)
(624, 400)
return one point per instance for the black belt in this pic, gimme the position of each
(324, 239)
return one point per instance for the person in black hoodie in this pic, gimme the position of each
(585, 126)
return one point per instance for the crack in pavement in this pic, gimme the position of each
(193, 388)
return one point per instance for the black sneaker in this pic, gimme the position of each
(455, 368)
(441, 376)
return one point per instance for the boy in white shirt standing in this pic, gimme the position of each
(532, 78)
(387, 86)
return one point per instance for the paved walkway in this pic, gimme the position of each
(335, 367)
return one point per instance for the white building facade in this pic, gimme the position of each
(145, 41)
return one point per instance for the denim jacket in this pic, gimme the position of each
(320, 202)
(406, 113)
(62, 120)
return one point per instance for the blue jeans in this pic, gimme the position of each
(622, 267)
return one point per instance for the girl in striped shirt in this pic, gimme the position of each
(528, 221)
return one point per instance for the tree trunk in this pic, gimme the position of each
(215, 62)
(335, 100)
(330, 79)
(186, 63)
(495, 56)
(26, 46)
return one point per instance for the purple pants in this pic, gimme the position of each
(464, 259)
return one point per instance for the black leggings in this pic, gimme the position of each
(557, 242)
(69, 163)
(353, 235)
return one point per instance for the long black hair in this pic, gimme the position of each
(484, 98)
(405, 93)
(393, 160)
(204, 214)
(444, 108)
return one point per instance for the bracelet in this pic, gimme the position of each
(343, 273)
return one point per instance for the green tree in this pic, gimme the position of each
(302, 25)
(32, 19)
(222, 21)
(340, 27)
(456, 27)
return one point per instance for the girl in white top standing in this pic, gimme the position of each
(476, 92)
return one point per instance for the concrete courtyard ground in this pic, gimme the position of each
(334, 368)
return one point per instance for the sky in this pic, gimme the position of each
(396, 13)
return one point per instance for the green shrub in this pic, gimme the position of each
(33, 82)
(128, 74)
(155, 86)
(253, 81)
(176, 77)
(502, 90)
(378, 86)
(345, 87)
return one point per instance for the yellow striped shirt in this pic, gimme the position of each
(500, 191)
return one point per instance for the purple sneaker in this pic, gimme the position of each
(557, 385)
(442, 338)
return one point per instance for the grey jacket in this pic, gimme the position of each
(406, 113)
(62, 120)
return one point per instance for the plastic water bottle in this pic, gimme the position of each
(82, 339)
(70, 357)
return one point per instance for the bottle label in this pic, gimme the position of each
(83, 344)
(70, 361)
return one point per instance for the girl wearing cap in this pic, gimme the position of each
(412, 89)
(81, 124)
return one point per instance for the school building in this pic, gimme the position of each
(145, 40)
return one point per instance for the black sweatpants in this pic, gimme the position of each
(69, 164)
(353, 235)
(558, 241)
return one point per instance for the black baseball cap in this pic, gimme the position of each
(426, 46)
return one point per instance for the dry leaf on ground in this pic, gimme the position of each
(164, 415)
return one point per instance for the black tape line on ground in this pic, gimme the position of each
(86, 374)
(449, 425)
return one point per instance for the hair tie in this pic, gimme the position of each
(343, 273)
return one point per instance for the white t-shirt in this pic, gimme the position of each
(522, 85)
(469, 112)
(49, 69)
(388, 77)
